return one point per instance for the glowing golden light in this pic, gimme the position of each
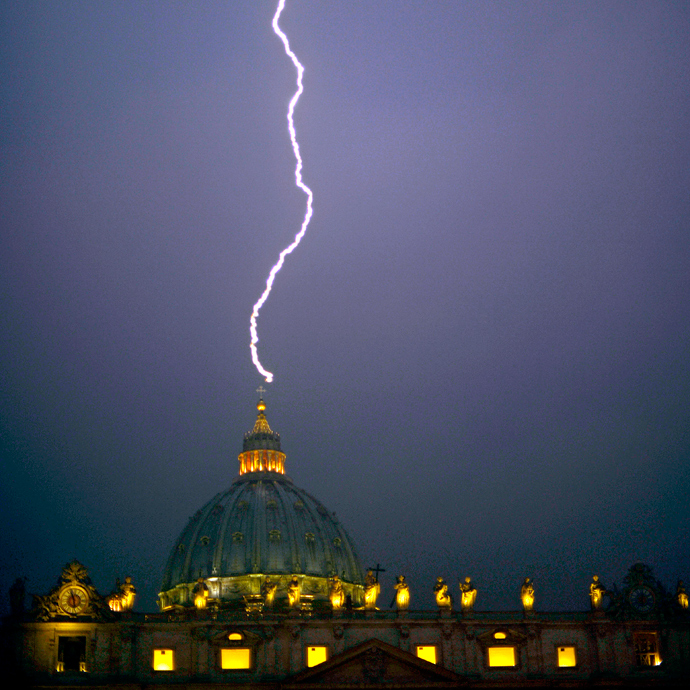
(163, 660)
(566, 657)
(402, 594)
(237, 658)
(646, 649)
(501, 656)
(200, 593)
(427, 653)
(294, 593)
(596, 593)
(443, 599)
(372, 589)
(262, 459)
(336, 593)
(527, 595)
(115, 603)
(500, 636)
(316, 655)
(123, 598)
(468, 595)
(235, 636)
(268, 589)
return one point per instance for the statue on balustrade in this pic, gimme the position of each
(527, 595)
(596, 594)
(402, 593)
(468, 595)
(372, 589)
(122, 599)
(200, 593)
(443, 599)
(681, 596)
(268, 590)
(128, 594)
(293, 591)
(336, 593)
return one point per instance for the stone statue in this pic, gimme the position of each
(596, 593)
(128, 593)
(443, 599)
(468, 595)
(527, 595)
(402, 593)
(372, 589)
(293, 591)
(122, 599)
(268, 590)
(336, 593)
(200, 593)
(681, 595)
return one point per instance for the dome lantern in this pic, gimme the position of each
(261, 447)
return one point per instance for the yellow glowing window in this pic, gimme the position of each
(566, 657)
(234, 636)
(501, 656)
(646, 649)
(427, 653)
(499, 636)
(316, 655)
(163, 660)
(237, 658)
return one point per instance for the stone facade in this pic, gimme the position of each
(361, 648)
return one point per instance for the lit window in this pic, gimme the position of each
(427, 653)
(566, 657)
(646, 650)
(163, 660)
(235, 636)
(501, 656)
(499, 636)
(316, 655)
(236, 658)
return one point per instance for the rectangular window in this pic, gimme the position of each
(501, 656)
(566, 657)
(316, 655)
(71, 654)
(163, 660)
(646, 649)
(236, 658)
(428, 653)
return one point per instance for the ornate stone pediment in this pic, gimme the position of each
(374, 663)
(73, 597)
(642, 596)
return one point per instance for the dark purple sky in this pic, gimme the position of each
(482, 347)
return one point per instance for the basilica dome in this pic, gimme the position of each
(262, 527)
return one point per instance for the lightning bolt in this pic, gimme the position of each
(298, 182)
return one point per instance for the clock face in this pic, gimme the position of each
(73, 599)
(642, 599)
